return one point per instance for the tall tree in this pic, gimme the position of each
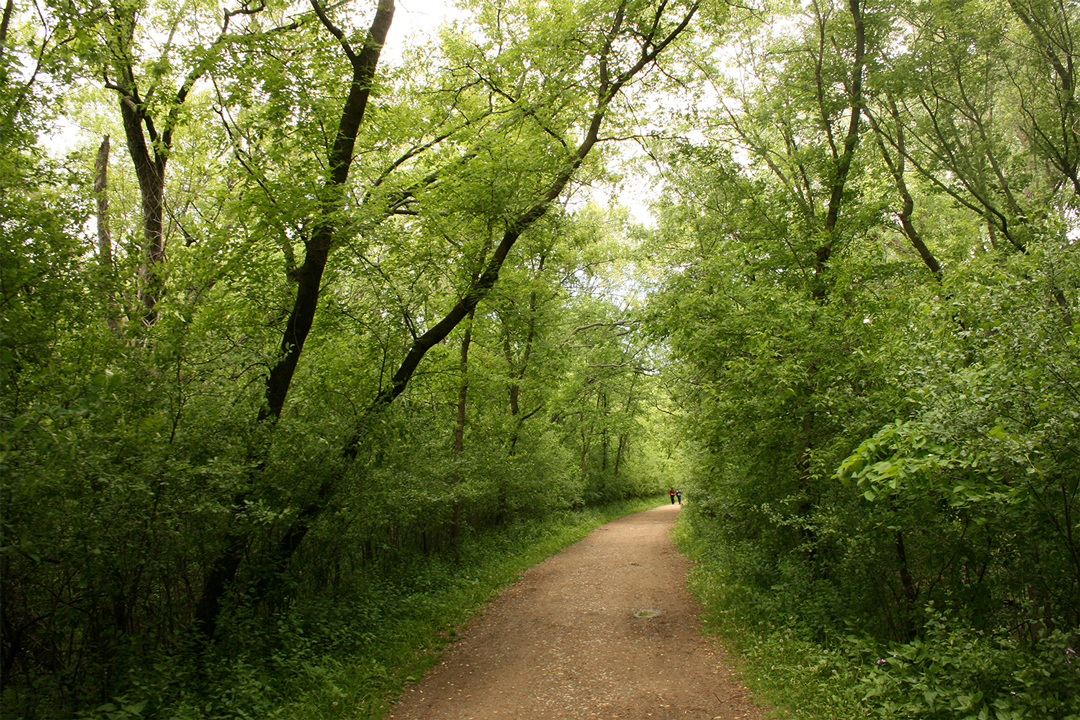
(152, 92)
(592, 78)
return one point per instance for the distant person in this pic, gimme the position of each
(678, 494)
(671, 494)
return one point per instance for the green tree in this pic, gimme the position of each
(909, 386)
(339, 225)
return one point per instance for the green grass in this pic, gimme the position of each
(348, 656)
(423, 607)
(950, 671)
(797, 678)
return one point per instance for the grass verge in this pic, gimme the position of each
(346, 656)
(799, 679)
(950, 671)
(419, 611)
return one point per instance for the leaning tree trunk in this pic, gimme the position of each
(309, 282)
(609, 85)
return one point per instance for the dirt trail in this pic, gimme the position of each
(605, 629)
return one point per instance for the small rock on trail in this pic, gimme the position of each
(605, 629)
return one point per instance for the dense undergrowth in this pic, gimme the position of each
(228, 430)
(870, 299)
(344, 656)
(819, 671)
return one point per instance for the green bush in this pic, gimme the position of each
(343, 652)
(952, 671)
(956, 673)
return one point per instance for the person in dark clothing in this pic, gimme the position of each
(671, 493)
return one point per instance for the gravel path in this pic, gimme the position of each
(605, 629)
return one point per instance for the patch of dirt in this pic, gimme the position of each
(605, 629)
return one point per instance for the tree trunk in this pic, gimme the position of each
(318, 245)
(851, 139)
(463, 390)
(223, 571)
(105, 258)
(462, 406)
(101, 185)
(910, 591)
(897, 170)
(583, 464)
(619, 454)
(601, 407)
(824, 251)
(150, 172)
(9, 8)
(518, 373)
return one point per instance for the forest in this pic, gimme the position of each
(301, 314)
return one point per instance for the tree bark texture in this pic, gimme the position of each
(150, 172)
(105, 258)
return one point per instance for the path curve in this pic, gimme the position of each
(604, 629)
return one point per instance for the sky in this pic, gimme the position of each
(416, 17)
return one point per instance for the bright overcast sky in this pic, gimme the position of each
(412, 17)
